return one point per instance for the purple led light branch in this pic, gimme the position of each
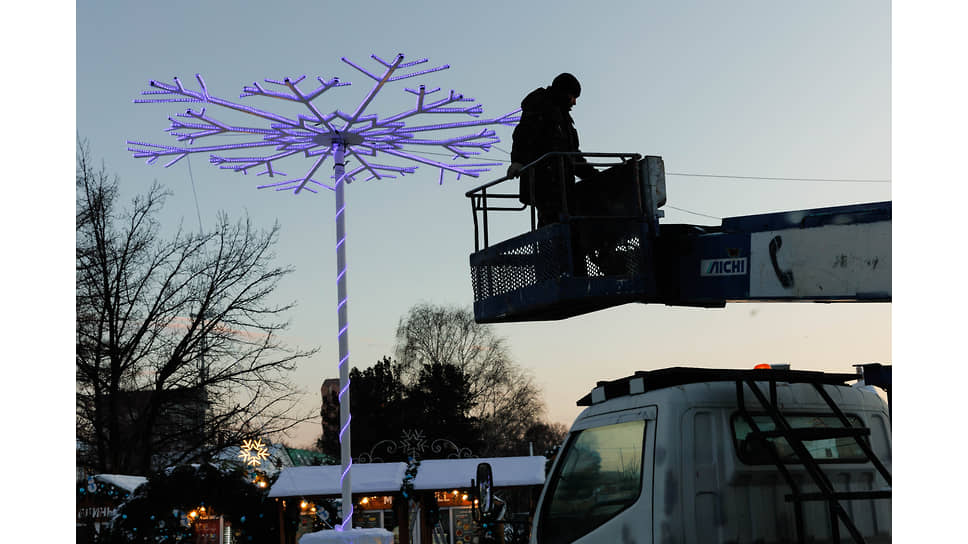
(312, 135)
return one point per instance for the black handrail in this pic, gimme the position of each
(549, 154)
(479, 194)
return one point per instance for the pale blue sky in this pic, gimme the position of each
(751, 88)
(774, 88)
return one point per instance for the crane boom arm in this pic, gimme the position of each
(820, 255)
(591, 262)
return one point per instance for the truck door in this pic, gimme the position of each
(600, 489)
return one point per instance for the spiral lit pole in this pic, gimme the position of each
(315, 136)
(345, 416)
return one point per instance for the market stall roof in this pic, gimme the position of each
(123, 481)
(278, 457)
(457, 473)
(302, 458)
(324, 480)
(348, 536)
(388, 477)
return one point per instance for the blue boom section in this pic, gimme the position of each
(836, 254)
(585, 264)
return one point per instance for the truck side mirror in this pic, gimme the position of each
(484, 492)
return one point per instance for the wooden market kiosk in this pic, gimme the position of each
(441, 484)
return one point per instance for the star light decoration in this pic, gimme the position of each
(413, 442)
(315, 136)
(253, 452)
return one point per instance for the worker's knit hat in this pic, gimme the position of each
(567, 84)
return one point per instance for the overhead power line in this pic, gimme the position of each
(693, 213)
(762, 178)
(501, 149)
(198, 209)
(766, 178)
(724, 176)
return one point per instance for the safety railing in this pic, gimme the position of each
(482, 197)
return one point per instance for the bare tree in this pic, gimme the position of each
(506, 400)
(177, 343)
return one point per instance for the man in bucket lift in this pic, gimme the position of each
(546, 126)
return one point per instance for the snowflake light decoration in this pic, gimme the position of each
(253, 452)
(315, 135)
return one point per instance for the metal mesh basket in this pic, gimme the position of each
(546, 255)
(522, 261)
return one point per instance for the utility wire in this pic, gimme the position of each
(843, 180)
(693, 213)
(686, 174)
(198, 209)
(764, 178)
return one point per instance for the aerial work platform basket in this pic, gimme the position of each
(539, 276)
(613, 252)
(562, 270)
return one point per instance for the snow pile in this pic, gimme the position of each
(122, 481)
(457, 473)
(349, 536)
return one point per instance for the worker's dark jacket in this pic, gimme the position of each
(547, 126)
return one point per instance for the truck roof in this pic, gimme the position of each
(652, 380)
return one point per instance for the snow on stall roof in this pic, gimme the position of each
(349, 536)
(388, 477)
(324, 480)
(457, 473)
(278, 457)
(123, 481)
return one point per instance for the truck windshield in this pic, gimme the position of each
(599, 475)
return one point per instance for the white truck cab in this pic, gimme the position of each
(693, 455)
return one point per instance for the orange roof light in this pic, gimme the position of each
(762, 366)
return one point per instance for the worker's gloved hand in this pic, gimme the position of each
(514, 170)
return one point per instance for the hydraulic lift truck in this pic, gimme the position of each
(765, 455)
(835, 254)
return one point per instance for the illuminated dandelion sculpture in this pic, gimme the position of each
(313, 136)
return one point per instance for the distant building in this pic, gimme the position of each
(179, 426)
(328, 411)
